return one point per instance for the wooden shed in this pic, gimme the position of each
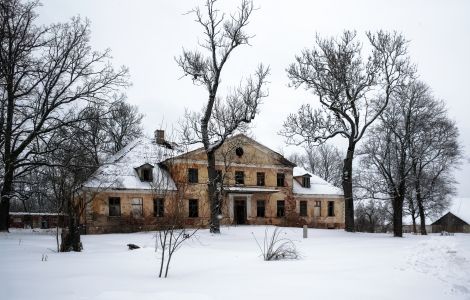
(36, 220)
(450, 223)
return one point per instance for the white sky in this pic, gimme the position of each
(147, 35)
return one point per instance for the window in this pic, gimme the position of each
(306, 181)
(147, 175)
(281, 208)
(219, 176)
(331, 208)
(260, 178)
(114, 207)
(193, 208)
(193, 175)
(280, 179)
(317, 203)
(303, 208)
(260, 208)
(158, 207)
(137, 207)
(239, 177)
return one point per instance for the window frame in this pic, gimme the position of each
(331, 206)
(303, 211)
(113, 199)
(260, 179)
(280, 208)
(306, 181)
(191, 210)
(158, 207)
(193, 175)
(261, 208)
(279, 177)
(140, 204)
(149, 172)
(237, 177)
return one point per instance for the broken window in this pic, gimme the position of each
(281, 208)
(260, 179)
(261, 208)
(303, 208)
(193, 208)
(239, 177)
(158, 207)
(280, 179)
(114, 206)
(331, 208)
(193, 175)
(306, 181)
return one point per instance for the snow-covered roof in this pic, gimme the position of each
(119, 171)
(318, 186)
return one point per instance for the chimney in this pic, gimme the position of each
(160, 136)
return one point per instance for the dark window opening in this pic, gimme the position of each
(158, 207)
(280, 179)
(331, 208)
(260, 179)
(193, 175)
(261, 208)
(306, 182)
(239, 151)
(281, 208)
(147, 175)
(114, 207)
(239, 177)
(193, 208)
(303, 208)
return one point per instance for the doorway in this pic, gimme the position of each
(239, 210)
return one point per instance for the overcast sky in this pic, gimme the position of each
(147, 35)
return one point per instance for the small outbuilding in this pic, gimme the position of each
(450, 223)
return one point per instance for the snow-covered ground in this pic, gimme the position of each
(334, 265)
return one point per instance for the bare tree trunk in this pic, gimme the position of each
(397, 204)
(71, 236)
(5, 201)
(348, 188)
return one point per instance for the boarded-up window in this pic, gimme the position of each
(137, 207)
(281, 212)
(158, 207)
(331, 208)
(260, 208)
(114, 206)
(303, 208)
(193, 208)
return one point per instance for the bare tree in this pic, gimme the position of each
(220, 116)
(413, 149)
(372, 216)
(353, 92)
(46, 72)
(325, 161)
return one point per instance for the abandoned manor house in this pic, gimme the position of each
(149, 180)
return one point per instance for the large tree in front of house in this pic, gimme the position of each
(352, 92)
(47, 73)
(221, 116)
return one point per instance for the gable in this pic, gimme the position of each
(450, 219)
(240, 150)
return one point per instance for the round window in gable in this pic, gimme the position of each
(239, 151)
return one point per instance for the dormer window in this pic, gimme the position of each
(306, 181)
(145, 172)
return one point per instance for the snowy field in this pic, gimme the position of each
(334, 265)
